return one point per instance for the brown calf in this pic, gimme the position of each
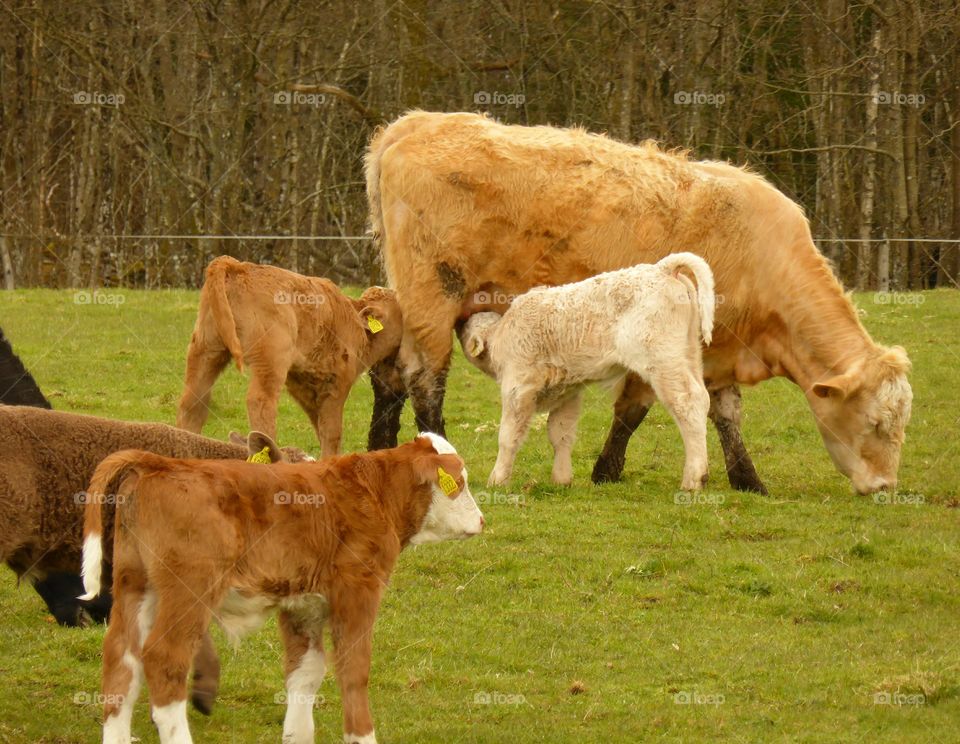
(288, 329)
(200, 539)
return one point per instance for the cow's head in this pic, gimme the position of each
(382, 322)
(453, 514)
(474, 337)
(862, 415)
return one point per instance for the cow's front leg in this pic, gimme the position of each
(562, 429)
(304, 667)
(725, 406)
(352, 616)
(329, 422)
(519, 404)
(389, 395)
(631, 408)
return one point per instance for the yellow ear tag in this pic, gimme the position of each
(374, 325)
(447, 482)
(262, 457)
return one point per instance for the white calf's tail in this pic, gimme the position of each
(706, 300)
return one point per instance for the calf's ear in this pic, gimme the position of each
(257, 442)
(445, 471)
(372, 318)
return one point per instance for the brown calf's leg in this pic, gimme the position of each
(329, 421)
(122, 664)
(389, 395)
(204, 365)
(352, 621)
(631, 407)
(206, 676)
(167, 652)
(304, 667)
(263, 397)
(725, 406)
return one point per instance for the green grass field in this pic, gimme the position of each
(582, 614)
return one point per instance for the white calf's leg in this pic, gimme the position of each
(370, 738)
(130, 622)
(171, 723)
(519, 404)
(302, 684)
(684, 395)
(562, 429)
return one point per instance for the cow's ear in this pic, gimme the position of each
(444, 471)
(237, 438)
(839, 386)
(258, 442)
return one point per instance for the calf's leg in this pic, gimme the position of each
(684, 395)
(353, 613)
(122, 663)
(329, 422)
(725, 406)
(562, 430)
(204, 366)
(263, 397)
(519, 405)
(304, 667)
(629, 410)
(206, 676)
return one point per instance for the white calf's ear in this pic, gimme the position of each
(476, 346)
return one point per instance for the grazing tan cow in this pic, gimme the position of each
(202, 539)
(289, 329)
(553, 341)
(459, 201)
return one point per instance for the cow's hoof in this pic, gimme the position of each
(203, 701)
(606, 471)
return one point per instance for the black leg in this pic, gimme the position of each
(631, 408)
(725, 414)
(389, 395)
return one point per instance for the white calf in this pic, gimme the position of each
(551, 342)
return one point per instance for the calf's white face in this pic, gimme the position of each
(455, 517)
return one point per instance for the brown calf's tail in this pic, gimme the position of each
(108, 471)
(215, 291)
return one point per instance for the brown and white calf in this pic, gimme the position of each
(198, 539)
(290, 330)
(552, 342)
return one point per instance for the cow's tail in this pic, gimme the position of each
(109, 471)
(371, 162)
(706, 299)
(215, 289)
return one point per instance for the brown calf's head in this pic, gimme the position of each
(381, 316)
(453, 514)
(862, 415)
